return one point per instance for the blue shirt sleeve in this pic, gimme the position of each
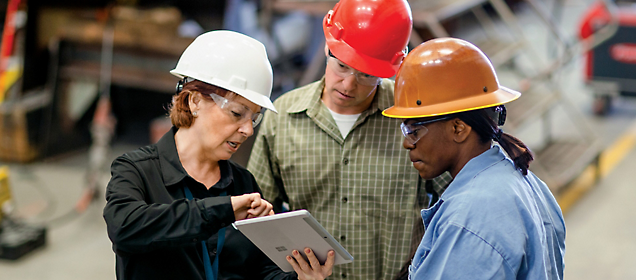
(457, 253)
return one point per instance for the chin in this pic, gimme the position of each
(430, 175)
(425, 173)
(225, 155)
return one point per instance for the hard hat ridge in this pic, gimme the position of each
(444, 76)
(232, 61)
(369, 35)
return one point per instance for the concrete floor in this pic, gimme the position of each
(601, 226)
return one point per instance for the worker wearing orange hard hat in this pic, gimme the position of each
(496, 219)
(329, 149)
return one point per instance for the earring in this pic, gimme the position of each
(195, 114)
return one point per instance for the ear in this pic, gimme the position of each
(194, 101)
(460, 130)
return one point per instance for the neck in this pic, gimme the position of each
(467, 152)
(193, 158)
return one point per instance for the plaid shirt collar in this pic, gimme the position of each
(311, 103)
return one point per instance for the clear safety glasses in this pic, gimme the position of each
(415, 131)
(237, 111)
(343, 70)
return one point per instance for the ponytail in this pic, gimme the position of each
(485, 122)
(516, 150)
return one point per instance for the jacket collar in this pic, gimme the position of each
(474, 166)
(173, 172)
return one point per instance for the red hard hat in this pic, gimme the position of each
(369, 35)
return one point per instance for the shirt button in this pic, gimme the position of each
(343, 238)
(344, 199)
(344, 275)
(195, 240)
(345, 161)
(214, 251)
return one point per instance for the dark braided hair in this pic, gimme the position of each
(485, 122)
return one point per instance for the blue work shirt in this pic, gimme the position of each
(492, 223)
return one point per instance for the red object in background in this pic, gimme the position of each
(610, 61)
(6, 46)
(625, 52)
(594, 19)
(8, 34)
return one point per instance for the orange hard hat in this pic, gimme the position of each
(369, 35)
(444, 76)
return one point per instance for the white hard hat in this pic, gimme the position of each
(230, 60)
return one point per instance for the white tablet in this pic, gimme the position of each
(279, 234)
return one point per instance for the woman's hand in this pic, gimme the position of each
(250, 205)
(313, 269)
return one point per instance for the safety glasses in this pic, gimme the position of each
(343, 70)
(415, 131)
(237, 111)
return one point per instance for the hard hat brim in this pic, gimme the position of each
(254, 97)
(359, 61)
(500, 96)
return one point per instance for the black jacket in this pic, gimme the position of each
(156, 231)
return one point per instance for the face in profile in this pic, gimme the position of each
(428, 145)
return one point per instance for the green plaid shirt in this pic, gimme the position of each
(363, 189)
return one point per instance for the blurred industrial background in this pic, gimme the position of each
(82, 82)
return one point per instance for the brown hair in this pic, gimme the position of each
(179, 110)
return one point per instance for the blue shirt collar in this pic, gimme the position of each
(468, 172)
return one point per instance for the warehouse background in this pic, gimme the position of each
(67, 57)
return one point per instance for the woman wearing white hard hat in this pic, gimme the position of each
(169, 204)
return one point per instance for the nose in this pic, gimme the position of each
(350, 82)
(407, 144)
(246, 128)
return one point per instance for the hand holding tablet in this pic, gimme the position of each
(279, 235)
(311, 268)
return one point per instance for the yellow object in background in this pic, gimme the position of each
(7, 79)
(5, 191)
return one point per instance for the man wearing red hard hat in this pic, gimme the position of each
(329, 149)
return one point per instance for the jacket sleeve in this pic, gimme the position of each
(264, 165)
(458, 253)
(135, 226)
(272, 272)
